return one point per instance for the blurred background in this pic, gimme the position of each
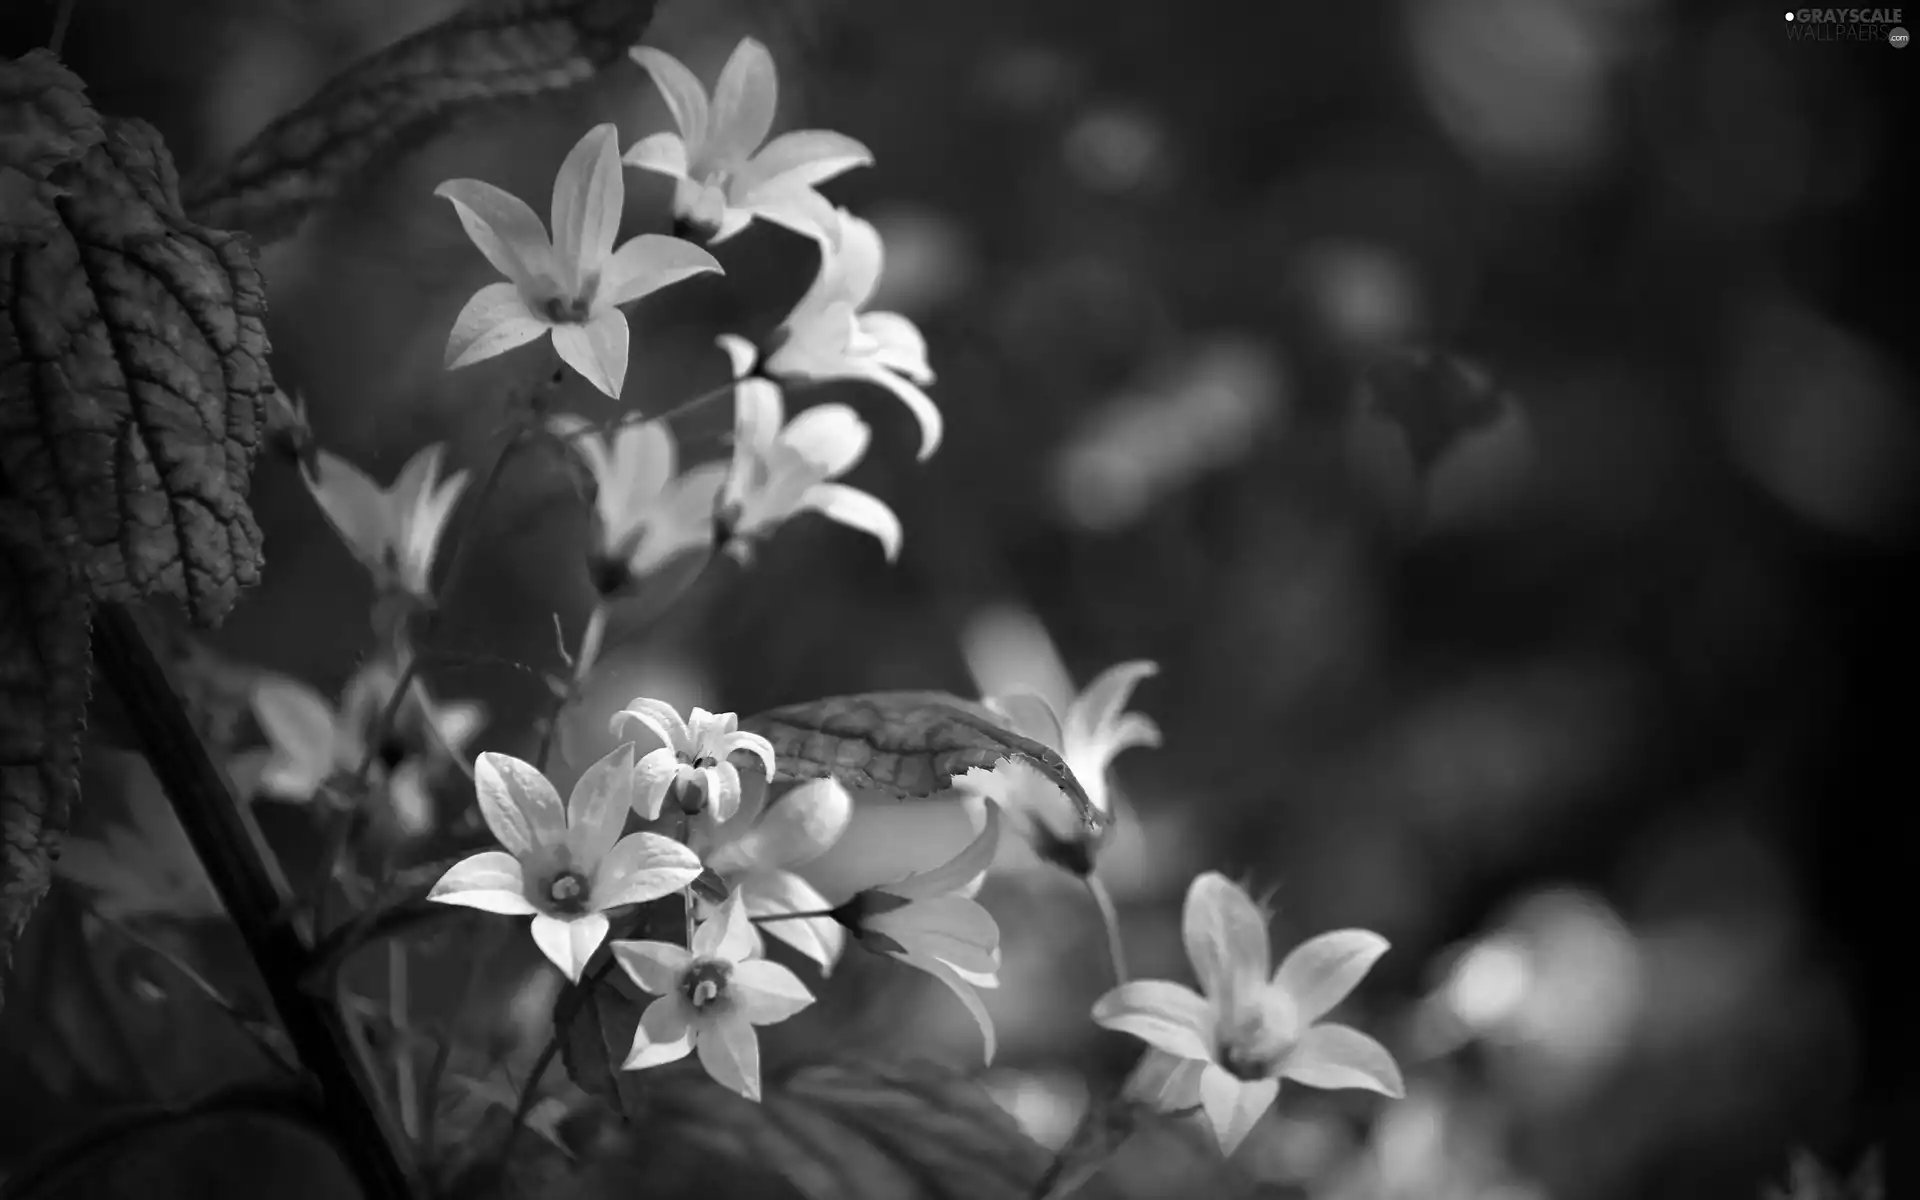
(1494, 416)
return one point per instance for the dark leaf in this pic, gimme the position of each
(44, 656)
(45, 120)
(490, 50)
(596, 1023)
(842, 1131)
(133, 366)
(908, 744)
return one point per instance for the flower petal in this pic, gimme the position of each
(976, 1008)
(735, 742)
(664, 153)
(649, 262)
(857, 510)
(730, 1051)
(830, 436)
(901, 347)
(722, 781)
(921, 405)
(950, 928)
(662, 1036)
(1336, 1056)
(1031, 715)
(519, 805)
(300, 725)
(490, 881)
(744, 98)
(1226, 937)
(739, 351)
(654, 776)
(1162, 1014)
(686, 98)
(858, 260)
(802, 158)
(659, 717)
(655, 966)
(801, 209)
(1096, 711)
(1234, 1106)
(765, 992)
(568, 944)
(507, 232)
(356, 506)
(597, 810)
(797, 828)
(1165, 1083)
(769, 893)
(598, 349)
(728, 934)
(1320, 972)
(960, 870)
(588, 195)
(642, 867)
(493, 322)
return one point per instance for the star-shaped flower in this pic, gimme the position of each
(395, 531)
(644, 514)
(565, 867)
(827, 336)
(572, 285)
(756, 854)
(1093, 730)
(931, 921)
(711, 996)
(780, 470)
(312, 744)
(694, 755)
(1244, 1031)
(723, 176)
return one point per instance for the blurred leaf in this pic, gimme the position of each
(143, 868)
(839, 1131)
(233, 1151)
(44, 668)
(491, 50)
(596, 1022)
(907, 744)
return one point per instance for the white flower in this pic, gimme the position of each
(827, 336)
(1247, 1032)
(312, 743)
(931, 921)
(724, 177)
(711, 997)
(780, 470)
(564, 867)
(1094, 729)
(573, 285)
(393, 531)
(644, 513)
(755, 853)
(694, 754)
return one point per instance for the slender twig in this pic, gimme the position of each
(584, 658)
(1110, 920)
(792, 916)
(635, 416)
(255, 895)
(398, 1002)
(62, 16)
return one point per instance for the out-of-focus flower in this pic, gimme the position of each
(644, 514)
(711, 997)
(756, 853)
(931, 921)
(780, 470)
(723, 176)
(1237, 1041)
(312, 744)
(565, 867)
(145, 867)
(694, 754)
(395, 532)
(1809, 1180)
(1093, 730)
(827, 336)
(572, 285)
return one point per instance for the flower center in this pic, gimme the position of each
(1255, 1039)
(568, 892)
(567, 310)
(705, 983)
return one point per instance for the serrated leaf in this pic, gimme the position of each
(849, 1131)
(907, 744)
(133, 366)
(44, 660)
(491, 50)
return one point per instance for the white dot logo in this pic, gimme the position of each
(1898, 38)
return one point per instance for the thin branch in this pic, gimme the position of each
(255, 894)
(1110, 920)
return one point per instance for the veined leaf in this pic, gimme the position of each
(908, 744)
(490, 50)
(45, 125)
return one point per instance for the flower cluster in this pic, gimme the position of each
(730, 853)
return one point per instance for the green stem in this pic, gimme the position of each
(1110, 920)
(792, 916)
(404, 1085)
(255, 895)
